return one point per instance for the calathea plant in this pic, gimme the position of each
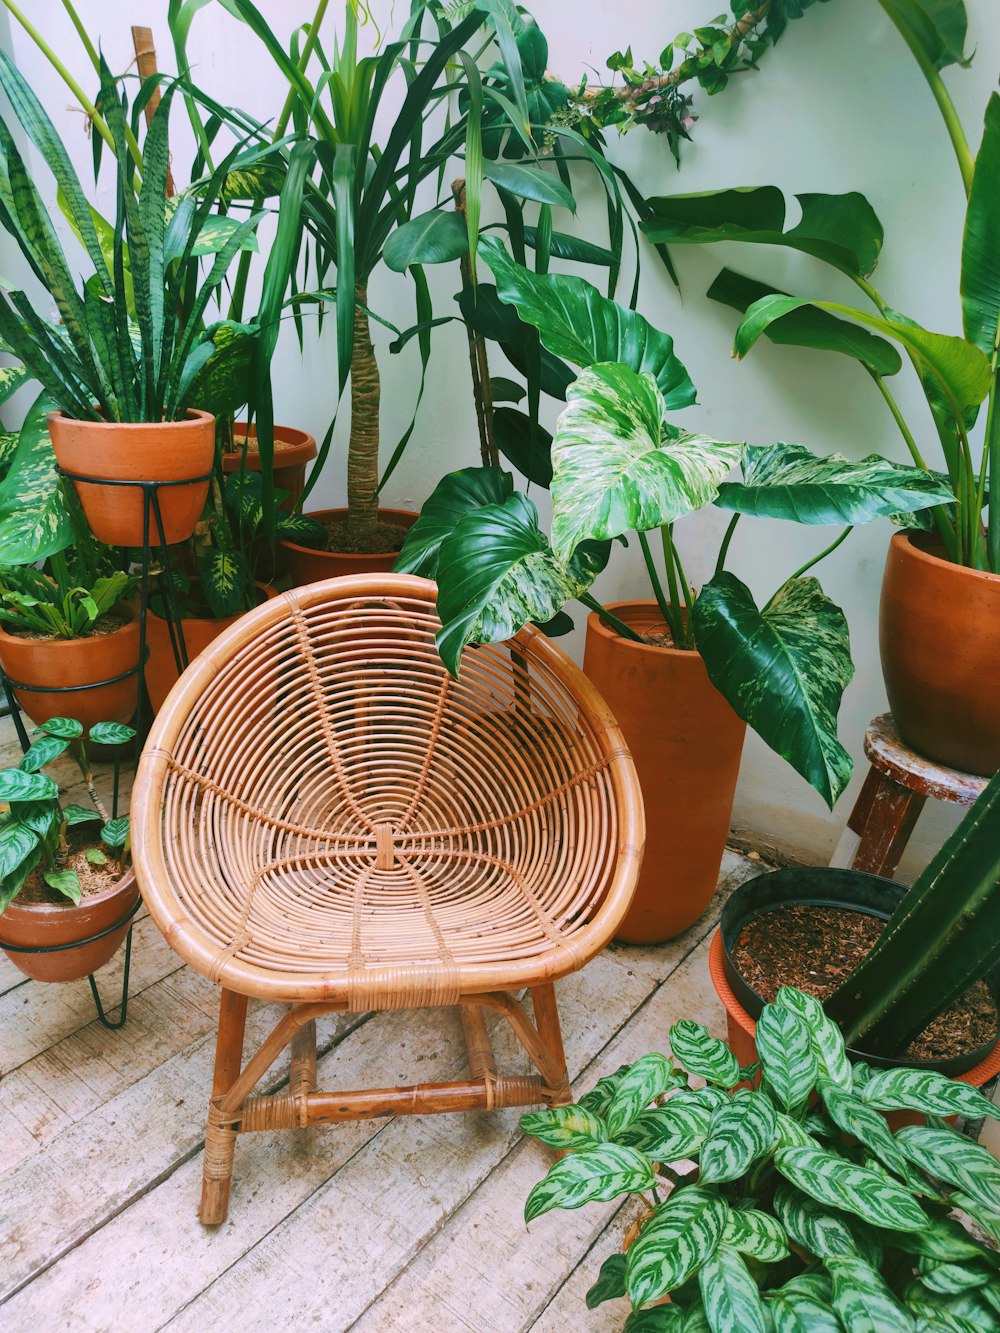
(790, 1205)
(34, 829)
(618, 467)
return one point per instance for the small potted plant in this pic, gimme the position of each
(64, 868)
(789, 1204)
(683, 672)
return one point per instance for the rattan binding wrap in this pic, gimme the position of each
(323, 814)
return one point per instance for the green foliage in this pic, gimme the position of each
(806, 1236)
(42, 604)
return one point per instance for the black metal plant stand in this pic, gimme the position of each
(152, 520)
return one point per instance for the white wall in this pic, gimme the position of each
(840, 105)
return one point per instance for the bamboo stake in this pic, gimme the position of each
(145, 60)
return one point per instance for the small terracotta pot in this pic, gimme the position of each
(164, 451)
(289, 470)
(308, 566)
(686, 742)
(939, 632)
(34, 925)
(76, 662)
(161, 668)
(742, 1028)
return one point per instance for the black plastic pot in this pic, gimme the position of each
(850, 891)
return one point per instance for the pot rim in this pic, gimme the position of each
(909, 538)
(55, 642)
(595, 625)
(194, 416)
(339, 511)
(50, 910)
(303, 438)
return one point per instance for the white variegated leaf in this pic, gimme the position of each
(827, 1039)
(786, 1051)
(590, 1175)
(838, 1183)
(756, 1233)
(862, 1298)
(675, 1241)
(739, 1135)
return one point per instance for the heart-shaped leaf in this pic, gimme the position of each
(457, 494)
(783, 669)
(437, 237)
(591, 1175)
(66, 882)
(702, 1054)
(785, 1048)
(527, 449)
(675, 1241)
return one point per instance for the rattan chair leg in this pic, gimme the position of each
(302, 1076)
(482, 1062)
(543, 1001)
(220, 1132)
(548, 1060)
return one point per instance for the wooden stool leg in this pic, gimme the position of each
(220, 1135)
(543, 1000)
(884, 818)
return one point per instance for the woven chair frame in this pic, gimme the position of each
(323, 817)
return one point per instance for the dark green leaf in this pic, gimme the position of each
(739, 1135)
(457, 494)
(79, 814)
(111, 733)
(437, 237)
(529, 183)
(954, 1159)
(66, 882)
(731, 1299)
(17, 842)
(650, 1076)
(610, 1284)
(833, 1181)
(529, 451)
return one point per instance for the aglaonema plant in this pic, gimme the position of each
(788, 1206)
(619, 466)
(35, 827)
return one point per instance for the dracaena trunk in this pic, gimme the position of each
(362, 456)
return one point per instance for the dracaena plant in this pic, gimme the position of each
(955, 374)
(790, 1205)
(35, 827)
(619, 466)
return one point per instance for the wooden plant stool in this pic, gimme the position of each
(322, 816)
(886, 811)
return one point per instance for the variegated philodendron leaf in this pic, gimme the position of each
(617, 467)
(810, 1225)
(927, 1091)
(591, 1175)
(838, 1183)
(827, 1039)
(702, 1054)
(954, 1159)
(667, 1133)
(729, 1293)
(783, 669)
(739, 1134)
(496, 572)
(35, 518)
(650, 1076)
(565, 1127)
(755, 1233)
(786, 1051)
(675, 1241)
(789, 481)
(861, 1297)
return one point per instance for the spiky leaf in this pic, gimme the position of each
(702, 1054)
(592, 1175)
(676, 1240)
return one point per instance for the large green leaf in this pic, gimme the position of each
(591, 1175)
(840, 229)
(224, 385)
(981, 241)
(838, 1183)
(960, 369)
(739, 1135)
(496, 572)
(789, 481)
(935, 28)
(783, 669)
(455, 495)
(675, 1241)
(437, 237)
(927, 1091)
(44, 751)
(953, 1158)
(808, 327)
(17, 842)
(529, 183)
(756, 1233)
(565, 1127)
(16, 785)
(795, 1311)
(785, 1048)
(828, 1042)
(850, 1114)
(224, 576)
(668, 1132)
(576, 322)
(526, 445)
(650, 1076)
(731, 1299)
(610, 1284)
(617, 467)
(863, 1300)
(702, 1054)
(35, 517)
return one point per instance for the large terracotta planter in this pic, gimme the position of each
(939, 632)
(76, 662)
(161, 668)
(308, 566)
(289, 470)
(164, 451)
(686, 742)
(44, 924)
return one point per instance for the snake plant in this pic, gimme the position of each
(789, 1205)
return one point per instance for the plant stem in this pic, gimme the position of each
(83, 34)
(724, 548)
(654, 578)
(897, 416)
(611, 620)
(307, 50)
(822, 555)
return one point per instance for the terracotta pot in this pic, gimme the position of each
(307, 566)
(289, 470)
(36, 924)
(742, 1028)
(161, 668)
(939, 632)
(76, 662)
(165, 451)
(686, 742)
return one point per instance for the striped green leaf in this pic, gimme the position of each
(66, 882)
(862, 1299)
(616, 465)
(791, 1134)
(17, 842)
(800, 1312)
(810, 1225)
(927, 1091)
(954, 1159)
(599, 1098)
(115, 832)
(785, 1047)
(938, 1319)
(730, 1296)
(783, 669)
(755, 1233)
(16, 785)
(695, 1319)
(827, 1040)
(987, 1217)
(710, 1098)
(677, 1239)
(111, 733)
(66, 727)
(11, 379)
(840, 1184)
(668, 1132)
(43, 751)
(592, 1175)
(610, 1284)
(944, 1239)
(949, 1279)
(224, 576)
(863, 1123)
(702, 1054)
(565, 1127)
(647, 1078)
(739, 1135)
(41, 817)
(656, 1319)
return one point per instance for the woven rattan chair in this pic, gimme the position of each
(323, 817)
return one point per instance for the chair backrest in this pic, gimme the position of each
(321, 735)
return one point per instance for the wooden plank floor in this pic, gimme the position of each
(413, 1223)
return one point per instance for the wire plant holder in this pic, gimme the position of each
(154, 559)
